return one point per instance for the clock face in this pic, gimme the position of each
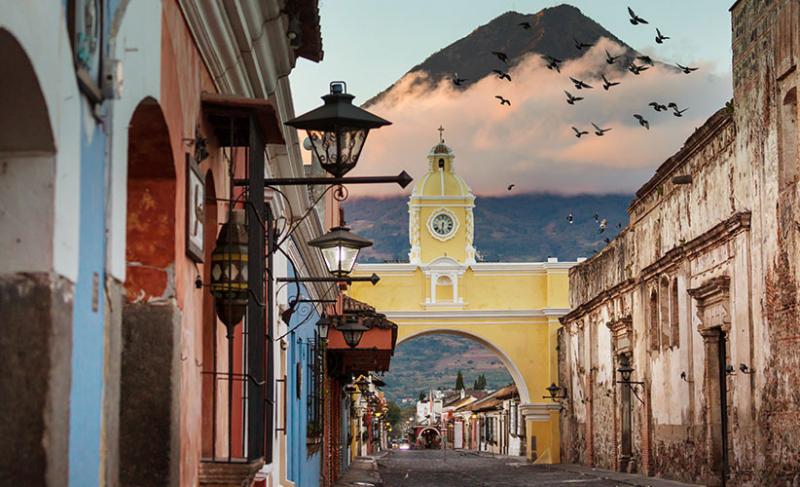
(443, 224)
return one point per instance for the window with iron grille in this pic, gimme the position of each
(315, 377)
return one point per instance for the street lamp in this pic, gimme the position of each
(229, 270)
(323, 325)
(352, 330)
(625, 371)
(553, 391)
(337, 130)
(340, 248)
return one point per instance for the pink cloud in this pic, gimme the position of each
(531, 143)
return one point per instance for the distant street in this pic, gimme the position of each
(431, 468)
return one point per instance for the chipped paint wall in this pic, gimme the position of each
(702, 266)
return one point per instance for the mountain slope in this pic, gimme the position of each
(552, 32)
(524, 227)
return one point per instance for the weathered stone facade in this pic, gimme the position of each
(698, 294)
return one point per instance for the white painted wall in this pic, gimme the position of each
(137, 46)
(51, 57)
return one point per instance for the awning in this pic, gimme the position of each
(230, 115)
(374, 351)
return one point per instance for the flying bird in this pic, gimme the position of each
(502, 74)
(644, 123)
(608, 84)
(596, 217)
(657, 106)
(686, 69)
(525, 25)
(570, 218)
(578, 134)
(579, 85)
(581, 45)
(501, 56)
(456, 80)
(553, 63)
(636, 69)
(572, 99)
(603, 224)
(635, 19)
(599, 132)
(660, 38)
(503, 101)
(611, 59)
(646, 60)
(679, 113)
(510, 187)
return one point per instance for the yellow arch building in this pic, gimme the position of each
(511, 308)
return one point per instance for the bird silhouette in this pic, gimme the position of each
(677, 112)
(596, 217)
(502, 74)
(636, 69)
(579, 133)
(603, 224)
(579, 85)
(608, 84)
(599, 132)
(581, 45)
(686, 69)
(525, 25)
(644, 123)
(660, 38)
(657, 106)
(635, 19)
(456, 80)
(570, 218)
(510, 187)
(501, 56)
(646, 60)
(572, 99)
(611, 59)
(503, 101)
(553, 63)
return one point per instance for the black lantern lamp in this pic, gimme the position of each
(352, 330)
(229, 270)
(340, 248)
(337, 130)
(323, 325)
(625, 371)
(553, 391)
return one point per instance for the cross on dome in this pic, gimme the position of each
(441, 134)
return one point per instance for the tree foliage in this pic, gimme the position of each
(459, 381)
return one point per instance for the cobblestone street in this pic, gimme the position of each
(433, 468)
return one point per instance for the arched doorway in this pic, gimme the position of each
(148, 439)
(36, 302)
(429, 438)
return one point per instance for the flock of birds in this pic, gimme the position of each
(636, 67)
(554, 64)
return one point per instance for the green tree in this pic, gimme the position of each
(459, 381)
(480, 383)
(394, 415)
(421, 395)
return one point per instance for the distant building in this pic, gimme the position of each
(697, 299)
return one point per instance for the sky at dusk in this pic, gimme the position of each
(372, 43)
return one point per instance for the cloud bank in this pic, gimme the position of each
(531, 143)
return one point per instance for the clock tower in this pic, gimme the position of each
(441, 222)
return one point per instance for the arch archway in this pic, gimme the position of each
(149, 448)
(36, 300)
(509, 364)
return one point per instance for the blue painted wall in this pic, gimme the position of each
(86, 396)
(304, 464)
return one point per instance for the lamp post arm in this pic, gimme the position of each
(374, 278)
(403, 179)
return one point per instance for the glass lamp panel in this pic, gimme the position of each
(324, 145)
(352, 142)
(339, 259)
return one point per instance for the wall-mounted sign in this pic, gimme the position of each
(195, 211)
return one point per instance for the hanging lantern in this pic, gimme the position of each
(352, 330)
(323, 325)
(625, 371)
(229, 270)
(340, 248)
(337, 130)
